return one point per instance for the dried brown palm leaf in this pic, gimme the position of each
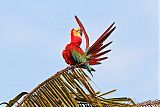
(70, 88)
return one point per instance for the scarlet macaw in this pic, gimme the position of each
(73, 54)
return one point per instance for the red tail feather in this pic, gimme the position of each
(100, 59)
(101, 48)
(94, 52)
(97, 61)
(83, 30)
(94, 63)
(100, 40)
(100, 54)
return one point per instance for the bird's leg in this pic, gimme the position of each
(80, 65)
(76, 65)
(70, 67)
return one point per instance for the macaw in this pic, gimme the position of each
(73, 54)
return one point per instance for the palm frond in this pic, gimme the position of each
(70, 88)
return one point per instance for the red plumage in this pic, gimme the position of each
(67, 53)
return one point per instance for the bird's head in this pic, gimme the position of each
(76, 36)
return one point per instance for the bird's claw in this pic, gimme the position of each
(70, 67)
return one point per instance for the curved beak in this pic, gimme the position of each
(80, 32)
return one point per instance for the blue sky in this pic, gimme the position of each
(34, 33)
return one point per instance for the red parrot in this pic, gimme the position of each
(73, 54)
